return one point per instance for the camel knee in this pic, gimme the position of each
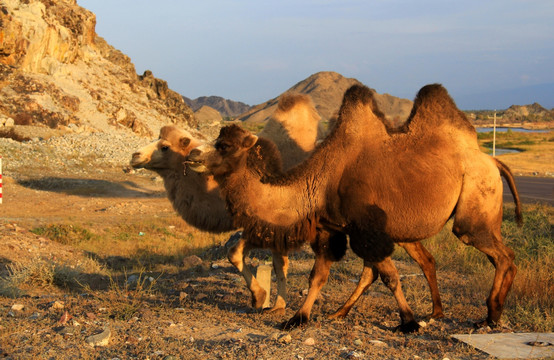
(236, 256)
(391, 281)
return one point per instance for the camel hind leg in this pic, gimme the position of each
(502, 259)
(477, 222)
(368, 277)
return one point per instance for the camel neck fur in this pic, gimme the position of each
(196, 197)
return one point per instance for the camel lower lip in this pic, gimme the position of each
(196, 166)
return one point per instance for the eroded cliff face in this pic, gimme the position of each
(57, 72)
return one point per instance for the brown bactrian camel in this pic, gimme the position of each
(382, 188)
(196, 197)
(295, 127)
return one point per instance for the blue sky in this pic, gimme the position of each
(252, 51)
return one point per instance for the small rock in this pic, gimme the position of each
(64, 318)
(132, 280)
(57, 305)
(309, 341)
(191, 261)
(378, 342)
(18, 307)
(285, 338)
(65, 330)
(422, 323)
(101, 339)
(169, 357)
(353, 355)
(358, 342)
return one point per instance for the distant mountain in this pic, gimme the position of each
(326, 90)
(528, 111)
(227, 108)
(533, 115)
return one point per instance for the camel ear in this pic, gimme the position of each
(184, 142)
(249, 141)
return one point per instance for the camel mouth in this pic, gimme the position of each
(137, 162)
(196, 166)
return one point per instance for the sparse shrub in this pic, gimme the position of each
(64, 234)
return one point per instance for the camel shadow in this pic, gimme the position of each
(91, 187)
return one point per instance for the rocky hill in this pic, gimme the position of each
(57, 73)
(226, 107)
(533, 112)
(326, 90)
(531, 116)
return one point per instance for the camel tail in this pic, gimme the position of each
(507, 174)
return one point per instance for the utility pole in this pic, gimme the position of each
(494, 136)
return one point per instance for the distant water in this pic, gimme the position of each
(516, 129)
(500, 151)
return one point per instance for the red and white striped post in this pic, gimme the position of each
(0, 179)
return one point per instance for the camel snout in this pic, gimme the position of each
(195, 161)
(137, 160)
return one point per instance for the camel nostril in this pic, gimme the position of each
(195, 153)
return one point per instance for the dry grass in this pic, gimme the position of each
(156, 244)
(537, 155)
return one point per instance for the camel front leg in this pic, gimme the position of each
(236, 256)
(318, 278)
(280, 266)
(391, 279)
(426, 262)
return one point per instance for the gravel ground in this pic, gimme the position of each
(69, 153)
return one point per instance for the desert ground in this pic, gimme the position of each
(95, 250)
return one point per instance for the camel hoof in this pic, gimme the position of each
(295, 321)
(258, 299)
(483, 324)
(336, 315)
(409, 327)
(439, 315)
(275, 311)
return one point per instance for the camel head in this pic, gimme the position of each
(227, 155)
(168, 152)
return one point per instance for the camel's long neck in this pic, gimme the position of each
(289, 199)
(197, 200)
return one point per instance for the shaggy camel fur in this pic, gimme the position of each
(196, 197)
(382, 188)
(294, 128)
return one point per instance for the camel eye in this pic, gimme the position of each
(221, 146)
